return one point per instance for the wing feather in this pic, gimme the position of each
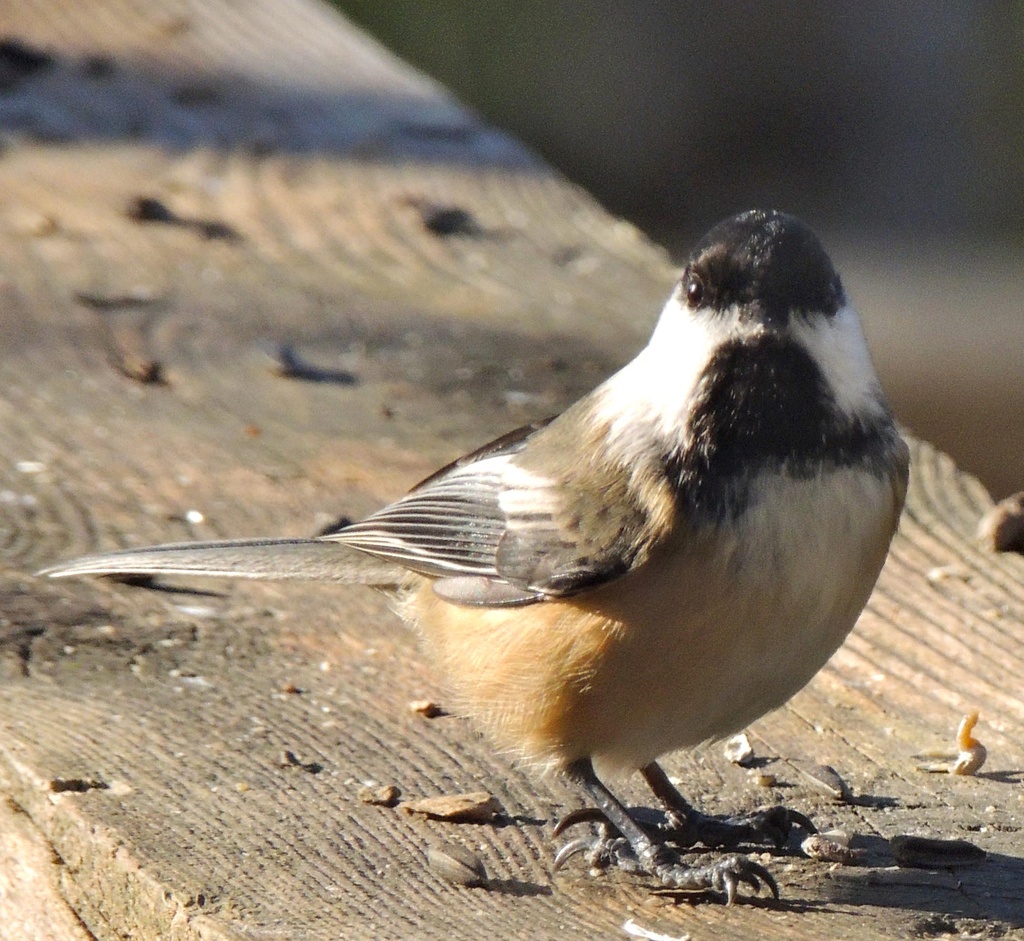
(450, 525)
(501, 527)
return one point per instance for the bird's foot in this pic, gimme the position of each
(627, 840)
(771, 825)
(724, 875)
(685, 825)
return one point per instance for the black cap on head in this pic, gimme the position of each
(767, 262)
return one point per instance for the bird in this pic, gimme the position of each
(667, 560)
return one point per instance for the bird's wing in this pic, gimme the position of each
(511, 525)
(450, 526)
(505, 525)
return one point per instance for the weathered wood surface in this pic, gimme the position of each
(142, 733)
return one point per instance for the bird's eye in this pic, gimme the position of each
(694, 290)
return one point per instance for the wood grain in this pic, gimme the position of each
(304, 177)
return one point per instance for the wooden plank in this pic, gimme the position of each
(440, 285)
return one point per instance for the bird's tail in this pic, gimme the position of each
(322, 560)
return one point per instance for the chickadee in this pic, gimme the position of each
(672, 557)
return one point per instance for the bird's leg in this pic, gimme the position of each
(635, 850)
(678, 810)
(687, 826)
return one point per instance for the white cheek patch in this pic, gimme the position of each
(649, 399)
(655, 388)
(838, 347)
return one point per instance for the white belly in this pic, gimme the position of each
(716, 631)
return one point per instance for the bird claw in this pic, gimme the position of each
(581, 844)
(771, 825)
(601, 852)
(578, 816)
(725, 875)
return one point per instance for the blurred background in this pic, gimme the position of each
(896, 130)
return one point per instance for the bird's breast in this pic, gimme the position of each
(721, 625)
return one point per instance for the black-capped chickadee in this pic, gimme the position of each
(672, 557)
